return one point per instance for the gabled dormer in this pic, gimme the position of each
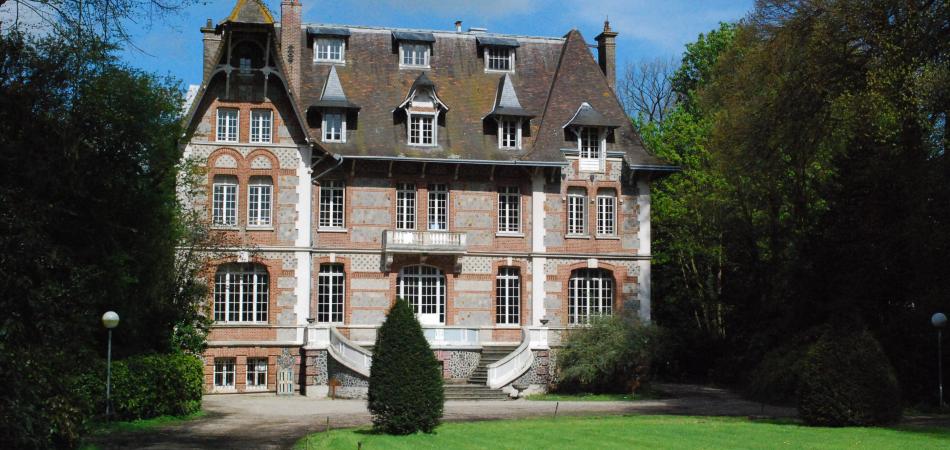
(510, 117)
(423, 108)
(334, 109)
(591, 129)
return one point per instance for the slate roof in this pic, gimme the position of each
(553, 77)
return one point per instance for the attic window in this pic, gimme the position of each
(334, 127)
(509, 133)
(329, 50)
(422, 129)
(414, 54)
(591, 143)
(501, 59)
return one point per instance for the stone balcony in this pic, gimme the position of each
(423, 242)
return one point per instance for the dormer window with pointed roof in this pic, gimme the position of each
(509, 115)
(423, 107)
(590, 127)
(333, 107)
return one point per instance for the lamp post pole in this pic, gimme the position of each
(109, 320)
(939, 320)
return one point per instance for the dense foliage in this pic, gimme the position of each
(815, 186)
(846, 380)
(145, 386)
(405, 385)
(612, 354)
(88, 223)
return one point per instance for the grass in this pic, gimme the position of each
(634, 432)
(644, 393)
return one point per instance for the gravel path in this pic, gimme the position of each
(268, 421)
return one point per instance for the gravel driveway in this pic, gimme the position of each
(268, 421)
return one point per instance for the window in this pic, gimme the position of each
(508, 296)
(330, 293)
(334, 127)
(509, 209)
(500, 58)
(227, 125)
(224, 372)
(576, 211)
(241, 293)
(414, 55)
(421, 129)
(224, 200)
(438, 207)
(590, 145)
(331, 204)
(257, 373)
(606, 212)
(329, 49)
(509, 133)
(244, 65)
(261, 125)
(590, 293)
(424, 288)
(405, 206)
(259, 194)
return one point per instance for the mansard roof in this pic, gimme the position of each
(551, 79)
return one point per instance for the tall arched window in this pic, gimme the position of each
(241, 293)
(590, 293)
(424, 288)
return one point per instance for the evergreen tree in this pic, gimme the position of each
(405, 385)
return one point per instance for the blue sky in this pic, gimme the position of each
(648, 28)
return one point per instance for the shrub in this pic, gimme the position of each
(846, 380)
(405, 384)
(612, 354)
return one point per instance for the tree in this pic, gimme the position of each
(613, 354)
(645, 89)
(405, 383)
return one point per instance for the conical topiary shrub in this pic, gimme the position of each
(405, 383)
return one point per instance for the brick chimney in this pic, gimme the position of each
(290, 43)
(212, 42)
(607, 54)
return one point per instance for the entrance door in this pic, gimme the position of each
(424, 288)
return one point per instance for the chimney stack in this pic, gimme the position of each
(607, 54)
(212, 42)
(290, 42)
(458, 26)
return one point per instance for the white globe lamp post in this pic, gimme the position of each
(110, 320)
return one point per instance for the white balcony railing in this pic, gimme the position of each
(455, 337)
(405, 241)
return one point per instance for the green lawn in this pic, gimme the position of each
(635, 432)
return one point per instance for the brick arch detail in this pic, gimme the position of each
(618, 273)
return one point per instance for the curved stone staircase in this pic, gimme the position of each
(476, 387)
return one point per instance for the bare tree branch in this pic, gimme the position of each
(646, 89)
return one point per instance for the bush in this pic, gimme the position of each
(612, 354)
(405, 384)
(145, 386)
(846, 380)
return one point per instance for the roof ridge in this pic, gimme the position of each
(429, 30)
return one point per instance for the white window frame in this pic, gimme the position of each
(326, 124)
(489, 58)
(262, 126)
(227, 124)
(606, 212)
(224, 201)
(590, 293)
(331, 293)
(319, 44)
(434, 117)
(591, 159)
(260, 201)
(509, 210)
(224, 373)
(576, 212)
(506, 126)
(438, 207)
(424, 288)
(405, 206)
(332, 205)
(256, 374)
(416, 48)
(508, 296)
(241, 294)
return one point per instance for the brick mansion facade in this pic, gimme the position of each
(491, 180)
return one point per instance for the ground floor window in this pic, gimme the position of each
(224, 372)
(424, 288)
(330, 293)
(590, 293)
(257, 373)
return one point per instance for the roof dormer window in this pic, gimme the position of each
(591, 146)
(329, 49)
(422, 108)
(500, 59)
(509, 133)
(414, 54)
